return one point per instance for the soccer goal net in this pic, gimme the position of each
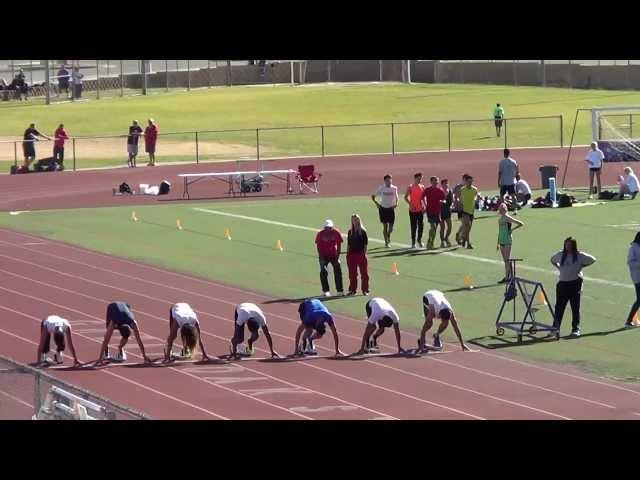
(617, 132)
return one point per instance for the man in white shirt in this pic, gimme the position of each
(182, 318)
(386, 207)
(380, 314)
(435, 304)
(523, 191)
(252, 316)
(594, 159)
(629, 184)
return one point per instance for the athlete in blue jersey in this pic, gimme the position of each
(314, 316)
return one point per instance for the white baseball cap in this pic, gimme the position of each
(328, 224)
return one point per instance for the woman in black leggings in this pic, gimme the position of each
(570, 262)
(633, 260)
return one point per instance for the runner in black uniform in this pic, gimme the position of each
(120, 316)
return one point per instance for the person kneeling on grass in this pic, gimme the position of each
(183, 318)
(380, 313)
(314, 315)
(60, 329)
(253, 317)
(629, 184)
(435, 304)
(120, 316)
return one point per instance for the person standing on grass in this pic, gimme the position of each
(150, 139)
(498, 117)
(380, 314)
(523, 191)
(445, 213)
(505, 222)
(328, 242)
(357, 242)
(507, 172)
(76, 78)
(594, 159)
(386, 207)
(60, 136)
(414, 197)
(434, 197)
(135, 132)
(63, 80)
(633, 261)
(457, 206)
(468, 195)
(435, 304)
(570, 262)
(629, 184)
(31, 135)
(184, 320)
(119, 316)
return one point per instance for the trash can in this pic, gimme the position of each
(547, 172)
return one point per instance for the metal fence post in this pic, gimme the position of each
(73, 148)
(143, 67)
(322, 138)
(98, 79)
(258, 146)
(208, 73)
(561, 131)
(15, 154)
(47, 83)
(36, 401)
(121, 78)
(197, 150)
(188, 75)
(631, 125)
(380, 66)
(31, 72)
(393, 139)
(229, 73)
(166, 74)
(449, 132)
(505, 133)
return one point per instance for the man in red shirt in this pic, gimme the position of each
(60, 136)
(150, 138)
(434, 197)
(328, 242)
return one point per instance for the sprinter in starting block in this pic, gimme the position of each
(60, 329)
(252, 316)
(314, 316)
(182, 318)
(120, 317)
(380, 314)
(435, 304)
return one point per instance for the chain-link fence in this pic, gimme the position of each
(305, 141)
(26, 392)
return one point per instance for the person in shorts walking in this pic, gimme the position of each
(594, 159)
(498, 117)
(434, 198)
(468, 195)
(413, 196)
(135, 132)
(445, 214)
(386, 207)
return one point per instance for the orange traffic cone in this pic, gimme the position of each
(541, 299)
(279, 246)
(178, 224)
(394, 269)
(133, 216)
(468, 282)
(227, 234)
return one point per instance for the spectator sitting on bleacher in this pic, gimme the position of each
(523, 191)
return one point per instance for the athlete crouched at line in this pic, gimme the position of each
(380, 313)
(251, 315)
(183, 318)
(435, 304)
(120, 316)
(60, 329)
(314, 315)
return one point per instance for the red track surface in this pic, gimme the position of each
(37, 280)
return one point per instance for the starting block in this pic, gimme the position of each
(529, 323)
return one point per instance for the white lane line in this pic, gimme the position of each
(405, 245)
(16, 399)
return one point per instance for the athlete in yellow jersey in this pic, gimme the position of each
(468, 195)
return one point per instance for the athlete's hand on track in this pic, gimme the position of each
(275, 354)
(401, 350)
(339, 354)
(465, 348)
(77, 363)
(205, 358)
(147, 360)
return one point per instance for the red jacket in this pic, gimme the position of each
(151, 135)
(60, 136)
(328, 242)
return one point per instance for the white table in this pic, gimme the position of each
(235, 178)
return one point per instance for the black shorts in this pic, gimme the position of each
(29, 149)
(497, 121)
(595, 169)
(467, 215)
(387, 215)
(459, 215)
(510, 189)
(445, 213)
(433, 218)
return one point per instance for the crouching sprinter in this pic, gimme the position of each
(435, 304)
(380, 314)
(252, 316)
(60, 329)
(120, 317)
(314, 316)
(182, 318)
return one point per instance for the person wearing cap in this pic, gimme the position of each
(252, 316)
(135, 132)
(435, 304)
(60, 329)
(594, 159)
(498, 117)
(328, 243)
(120, 317)
(150, 139)
(380, 314)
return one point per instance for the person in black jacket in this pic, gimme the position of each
(357, 241)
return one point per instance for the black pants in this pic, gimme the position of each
(324, 273)
(636, 305)
(417, 223)
(58, 154)
(568, 292)
(77, 90)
